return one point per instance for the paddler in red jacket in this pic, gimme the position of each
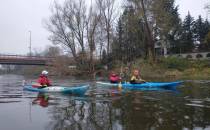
(43, 79)
(114, 78)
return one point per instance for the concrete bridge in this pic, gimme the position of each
(197, 55)
(25, 60)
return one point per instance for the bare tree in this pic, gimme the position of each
(101, 41)
(67, 25)
(75, 18)
(92, 24)
(52, 51)
(107, 9)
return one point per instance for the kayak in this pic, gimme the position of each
(58, 89)
(147, 85)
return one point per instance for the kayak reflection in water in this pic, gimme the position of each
(43, 80)
(42, 100)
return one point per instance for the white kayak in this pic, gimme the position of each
(58, 89)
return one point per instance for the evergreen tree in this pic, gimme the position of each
(187, 38)
(128, 44)
(207, 42)
(201, 29)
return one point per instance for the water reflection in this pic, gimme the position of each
(134, 111)
(42, 100)
(92, 115)
(105, 108)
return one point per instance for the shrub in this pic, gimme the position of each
(175, 63)
(200, 64)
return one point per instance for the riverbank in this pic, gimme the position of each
(164, 68)
(172, 68)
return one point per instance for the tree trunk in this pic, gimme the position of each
(150, 42)
(108, 39)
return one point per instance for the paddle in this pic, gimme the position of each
(120, 84)
(37, 85)
(33, 84)
(23, 83)
(143, 81)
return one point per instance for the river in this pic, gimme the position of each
(100, 109)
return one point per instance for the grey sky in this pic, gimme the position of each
(196, 7)
(20, 16)
(17, 18)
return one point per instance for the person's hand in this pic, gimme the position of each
(44, 86)
(142, 80)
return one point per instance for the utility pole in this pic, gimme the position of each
(30, 43)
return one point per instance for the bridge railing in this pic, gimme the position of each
(198, 55)
(3, 56)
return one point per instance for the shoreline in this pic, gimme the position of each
(165, 68)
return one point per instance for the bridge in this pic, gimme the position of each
(25, 60)
(194, 56)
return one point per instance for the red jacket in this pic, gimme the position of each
(43, 80)
(114, 78)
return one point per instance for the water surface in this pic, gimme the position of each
(104, 108)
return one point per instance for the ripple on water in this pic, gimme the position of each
(198, 105)
(203, 103)
(101, 106)
(11, 90)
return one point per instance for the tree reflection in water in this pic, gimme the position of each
(134, 111)
(82, 115)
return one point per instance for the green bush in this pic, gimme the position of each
(200, 64)
(175, 63)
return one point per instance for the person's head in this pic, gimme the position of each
(126, 69)
(136, 72)
(113, 74)
(44, 72)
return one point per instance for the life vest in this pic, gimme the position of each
(44, 81)
(135, 79)
(114, 78)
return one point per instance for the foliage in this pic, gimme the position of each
(182, 64)
(201, 29)
(142, 26)
(128, 44)
(175, 63)
(168, 22)
(187, 41)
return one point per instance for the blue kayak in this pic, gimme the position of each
(147, 85)
(58, 89)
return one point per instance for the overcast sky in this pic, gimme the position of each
(20, 16)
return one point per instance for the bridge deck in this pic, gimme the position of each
(25, 60)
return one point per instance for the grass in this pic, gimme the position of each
(174, 68)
